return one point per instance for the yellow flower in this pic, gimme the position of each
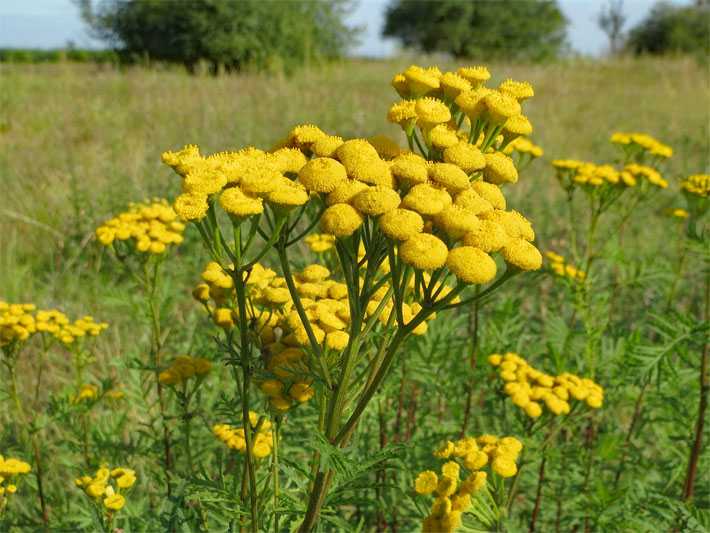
(471, 265)
(474, 75)
(520, 90)
(424, 252)
(500, 106)
(522, 254)
(239, 205)
(499, 169)
(191, 208)
(376, 200)
(445, 450)
(322, 175)
(341, 220)
(465, 156)
(402, 113)
(114, 502)
(304, 136)
(490, 192)
(125, 481)
(420, 81)
(430, 112)
(472, 103)
(426, 199)
(301, 392)
(453, 84)
(456, 221)
(224, 318)
(386, 147)
(676, 212)
(474, 482)
(320, 242)
(326, 146)
(426, 482)
(504, 466)
(401, 224)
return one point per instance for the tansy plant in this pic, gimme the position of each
(142, 238)
(412, 231)
(11, 472)
(19, 324)
(478, 501)
(106, 492)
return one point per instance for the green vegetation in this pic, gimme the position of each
(79, 142)
(671, 29)
(227, 35)
(525, 31)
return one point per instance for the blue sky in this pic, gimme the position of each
(52, 23)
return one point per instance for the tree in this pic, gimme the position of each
(611, 21)
(502, 29)
(233, 35)
(673, 29)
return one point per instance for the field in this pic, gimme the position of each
(79, 142)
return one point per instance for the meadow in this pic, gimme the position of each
(80, 142)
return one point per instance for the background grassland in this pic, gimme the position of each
(77, 142)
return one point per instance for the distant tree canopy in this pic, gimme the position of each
(673, 29)
(233, 35)
(501, 29)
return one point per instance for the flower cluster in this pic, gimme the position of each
(529, 388)
(17, 323)
(80, 328)
(320, 242)
(277, 326)
(98, 486)
(641, 142)
(152, 225)
(697, 184)
(234, 438)
(183, 368)
(571, 172)
(426, 204)
(560, 267)
(244, 180)
(474, 454)
(10, 472)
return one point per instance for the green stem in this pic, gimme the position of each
(245, 350)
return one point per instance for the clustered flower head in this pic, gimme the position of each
(153, 226)
(10, 472)
(529, 388)
(277, 327)
(559, 266)
(80, 328)
(454, 498)
(640, 142)
(450, 198)
(183, 368)
(243, 181)
(234, 438)
(19, 321)
(107, 486)
(636, 173)
(697, 184)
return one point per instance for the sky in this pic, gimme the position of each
(53, 23)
